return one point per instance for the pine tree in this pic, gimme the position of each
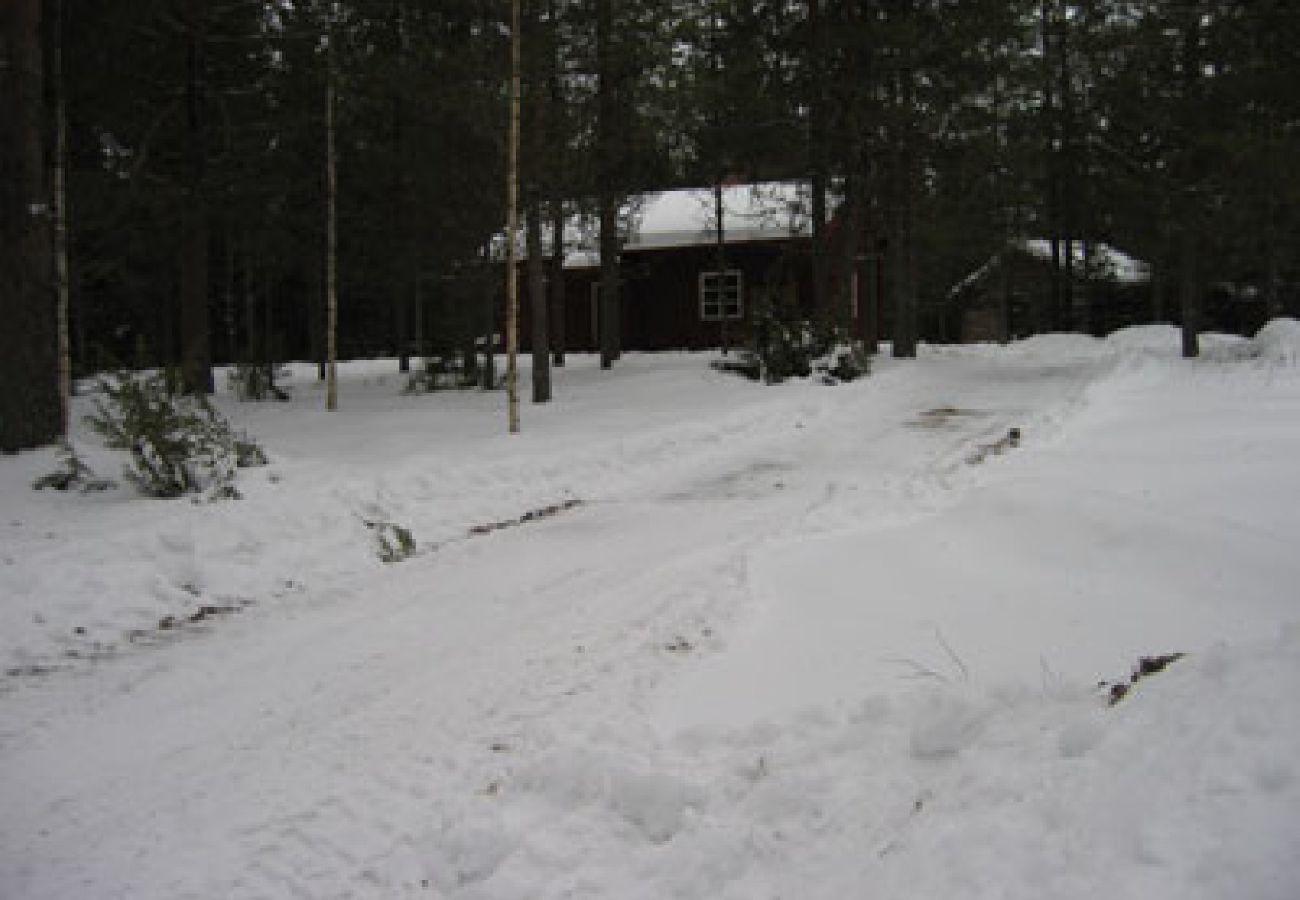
(29, 404)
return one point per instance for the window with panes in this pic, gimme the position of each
(720, 295)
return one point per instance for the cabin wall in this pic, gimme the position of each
(661, 295)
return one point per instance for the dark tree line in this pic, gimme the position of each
(939, 129)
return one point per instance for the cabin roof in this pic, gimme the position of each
(686, 217)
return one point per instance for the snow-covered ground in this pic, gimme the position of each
(793, 642)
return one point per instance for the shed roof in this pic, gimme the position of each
(1108, 263)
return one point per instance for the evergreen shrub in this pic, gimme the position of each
(179, 444)
(439, 373)
(257, 381)
(393, 542)
(73, 474)
(784, 345)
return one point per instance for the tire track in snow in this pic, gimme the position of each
(379, 769)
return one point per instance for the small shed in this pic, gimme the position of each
(1010, 295)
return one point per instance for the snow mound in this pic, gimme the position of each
(1278, 342)
(1055, 345)
(1154, 339)
(654, 804)
(1186, 789)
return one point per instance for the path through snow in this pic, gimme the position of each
(695, 684)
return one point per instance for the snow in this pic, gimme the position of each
(687, 217)
(1115, 263)
(794, 641)
(1111, 263)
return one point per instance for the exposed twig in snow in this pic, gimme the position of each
(952, 654)
(918, 669)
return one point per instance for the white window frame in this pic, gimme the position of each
(725, 302)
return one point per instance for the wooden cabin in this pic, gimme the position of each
(673, 293)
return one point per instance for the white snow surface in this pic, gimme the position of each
(688, 217)
(1115, 263)
(794, 642)
(1107, 261)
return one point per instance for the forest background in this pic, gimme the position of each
(166, 194)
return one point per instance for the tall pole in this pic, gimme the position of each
(331, 243)
(512, 233)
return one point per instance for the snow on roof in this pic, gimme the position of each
(751, 212)
(1114, 264)
(1110, 263)
(687, 217)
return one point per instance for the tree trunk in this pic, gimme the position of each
(1070, 176)
(196, 369)
(557, 140)
(1189, 299)
(869, 304)
(331, 243)
(539, 172)
(556, 319)
(720, 256)
(400, 220)
(819, 167)
(1052, 175)
(905, 317)
(609, 250)
(60, 211)
(196, 352)
(512, 232)
(1005, 324)
(1189, 224)
(29, 402)
(488, 287)
(268, 331)
(537, 305)
(855, 179)
(607, 188)
(228, 313)
(252, 325)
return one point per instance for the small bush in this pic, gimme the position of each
(73, 474)
(178, 444)
(257, 381)
(440, 373)
(393, 542)
(847, 362)
(782, 345)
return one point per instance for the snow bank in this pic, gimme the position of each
(1278, 342)
(1186, 789)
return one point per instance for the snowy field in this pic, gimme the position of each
(799, 642)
